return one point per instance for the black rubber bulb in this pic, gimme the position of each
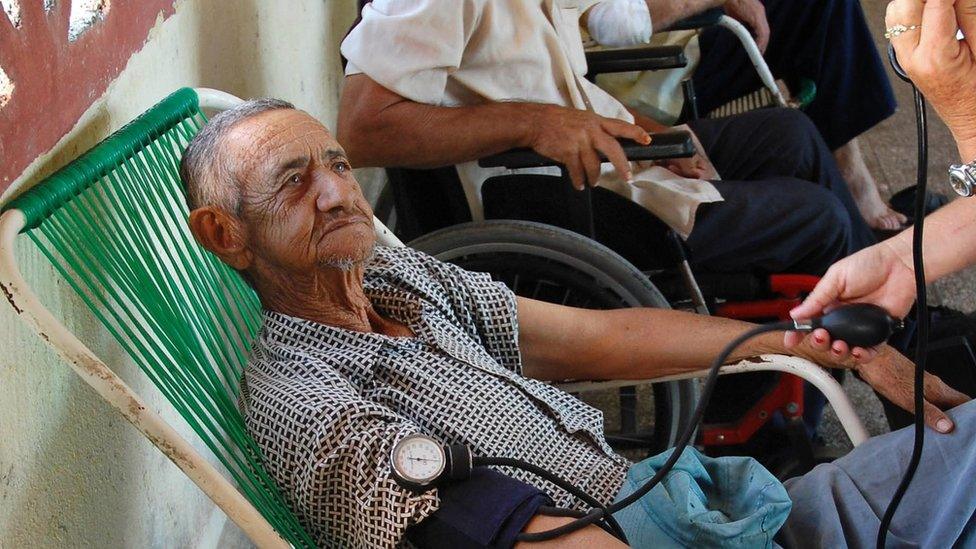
(859, 325)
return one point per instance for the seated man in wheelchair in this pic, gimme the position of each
(362, 346)
(827, 42)
(441, 82)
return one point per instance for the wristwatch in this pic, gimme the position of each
(962, 178)
(417, 462)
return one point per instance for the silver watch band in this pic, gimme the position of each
(962, 178)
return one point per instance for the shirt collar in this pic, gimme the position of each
(282, 330)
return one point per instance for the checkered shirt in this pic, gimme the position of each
(326, 405)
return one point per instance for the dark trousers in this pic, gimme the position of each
(786, 210)
(826, 41)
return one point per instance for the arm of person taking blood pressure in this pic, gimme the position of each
(944, 70)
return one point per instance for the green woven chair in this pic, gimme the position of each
(113, 222)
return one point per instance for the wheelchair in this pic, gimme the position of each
(537, 228)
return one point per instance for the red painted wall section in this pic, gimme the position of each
(56, 80)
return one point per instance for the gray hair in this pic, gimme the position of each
(207, 180)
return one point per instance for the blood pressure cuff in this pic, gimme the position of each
(488, 509)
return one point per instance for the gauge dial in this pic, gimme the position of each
(417, 461)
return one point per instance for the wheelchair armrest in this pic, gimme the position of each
(704, 19)
(663, 145)
(645, 58)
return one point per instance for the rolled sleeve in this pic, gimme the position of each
(485, 308)
(410, 46)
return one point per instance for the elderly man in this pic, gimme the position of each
(362, 346)
(457, 80)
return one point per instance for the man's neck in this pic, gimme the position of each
(330, 296)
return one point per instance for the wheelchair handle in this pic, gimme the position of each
(646, 58)
(663, 146)
(702, 20)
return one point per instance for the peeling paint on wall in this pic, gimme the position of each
(60, 57)
(6, 88)
(12, 9)
(84, 14)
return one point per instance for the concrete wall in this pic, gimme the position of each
(72, 472)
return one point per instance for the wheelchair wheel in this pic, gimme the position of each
(551, 264)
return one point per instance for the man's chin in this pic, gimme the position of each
(350, 261)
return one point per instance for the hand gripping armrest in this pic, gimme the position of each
(663, 145)
(704, 19)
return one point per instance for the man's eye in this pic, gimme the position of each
(295, 179)
(341, 167)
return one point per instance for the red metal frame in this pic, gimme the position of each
(787, 396)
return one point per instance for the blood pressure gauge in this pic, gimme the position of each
(418, 461)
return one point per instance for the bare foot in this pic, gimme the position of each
(864, 189)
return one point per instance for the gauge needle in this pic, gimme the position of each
(419, 459)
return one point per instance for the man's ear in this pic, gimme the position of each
(223, 234)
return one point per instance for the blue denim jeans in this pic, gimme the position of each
(735, 502)
(704, 502)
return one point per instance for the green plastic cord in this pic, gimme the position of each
(806, 92)
(113, 223)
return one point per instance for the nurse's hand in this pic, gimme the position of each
(882, 274)
(942, 67)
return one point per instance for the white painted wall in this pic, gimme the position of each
(72, 472)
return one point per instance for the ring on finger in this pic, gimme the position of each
(898, 30)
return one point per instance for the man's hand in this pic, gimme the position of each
(888, 372)
(893, 376)
(575, 138)
(752, 14)
(695, 167)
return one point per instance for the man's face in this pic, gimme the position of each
(301, 205)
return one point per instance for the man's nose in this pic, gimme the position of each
(332, 192)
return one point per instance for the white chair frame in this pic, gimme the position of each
(111, 388)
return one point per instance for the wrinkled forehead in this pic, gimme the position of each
(258, 144)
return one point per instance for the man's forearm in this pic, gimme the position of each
(591, 536)
(639, 343)
(650, 343)
(665, 13)
(388, 130)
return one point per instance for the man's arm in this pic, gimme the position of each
(560, 343)
(750, 13)
(378, 127)
(591, 537)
